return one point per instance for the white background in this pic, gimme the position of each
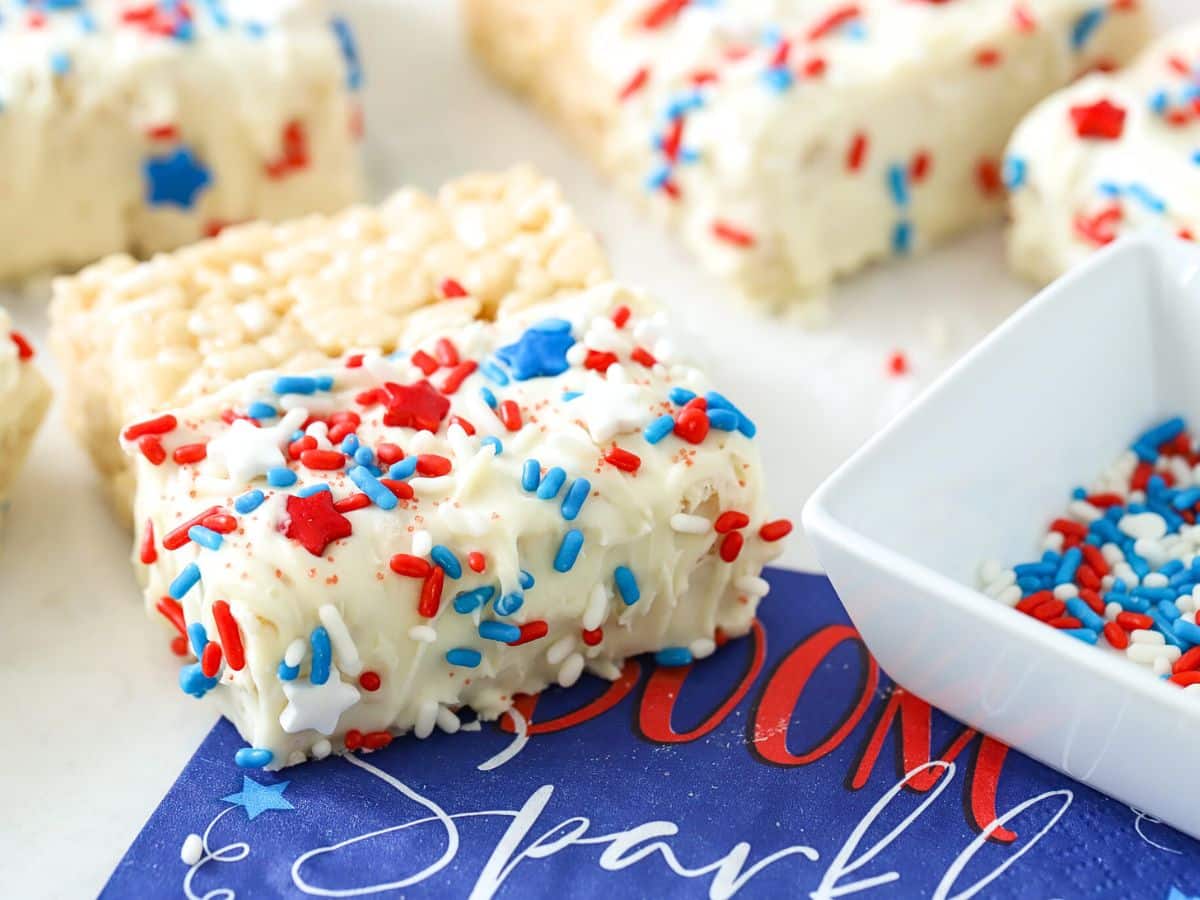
(93, 728)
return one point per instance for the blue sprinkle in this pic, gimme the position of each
(253, 757)
(1186, 499)
(658, 429)
(205, 537)
(469, 601)
(551, 484)
(184, 581)
(1159, 102)
(898, 184)
(1143, 195)
(1085, 26)
(499, 631)
(576, 496)
(627, 585)
(1163, 627)
(1013, 172)
(464, 656)
(1080, 610)
(371, 486)
(531, 475)
(568, 550)
(445, 558)
(681, 396)
(288, 673)
(509, 603)
(60, 63)
(403, 469)
(87, 23)
(658, 177)
(280, 477)
(197, 638)
(324, 382)
(902, 237)
(1196, 157)
(261, 410)
(525, 579)
(193, 681)
(1169, 611)
(494, 443)
(778, 78)
(493, 372)
(295, 384)
(309, 489)
(673, 656)
(1148, 442)
(1070, 564)
(322, 654)
(350, 444)
(1187, 631)
(723, 419)
(175, 179)
(296, 435)
(349, 48)
(364, 456)
(568, 396)
(488, 397)
(249, 502)
(1082, 634)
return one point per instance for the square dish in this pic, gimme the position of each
(1098, 356)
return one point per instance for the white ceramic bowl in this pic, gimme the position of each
(975, 469)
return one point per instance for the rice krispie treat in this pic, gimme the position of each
(138, 125)
(24, 397)
(133, 338)
(791, 141)
(362, 550)
(1110, 154)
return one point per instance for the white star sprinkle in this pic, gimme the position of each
(611, 406)
(316, 706)
(246, 452)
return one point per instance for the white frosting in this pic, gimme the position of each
(24, 396)
(92, 102)
(764, 188)
(692, 582)
(1072, 193)
(10, 361)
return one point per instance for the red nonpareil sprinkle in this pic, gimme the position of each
(731, 520)
(621, 316)
(592, 637)
(452, 290)
(402, 489)
(210, 659)
(164, 132)
(431, 465)
(369, 681)
(454, 379)
(673, 140)
(179, 645)
(599, 361)
(1115, 635)
(323, 460)
(636, 82)
(424, 362)
(177, 537)
(857, 154)
(354, 361)
(162, 425)
(431, 593)
(172, 611)
(152, 448)
(779, 57)
(388, 453)
(476, 561)
(148, 552)
(986, 57)
(815, 67)
(410, 566)
(774, 531)
(351, 503)
(531, 631)
(731, 546)
(510, 415)
(294, 153)
(662, 13)
(376, 740)
(1023, 19)
(1102, 120)
(920, 165)
(231, 636)
(462, 423)
(692, 425)
(221, 523)
(623, 459)
(24, 348)
(353, 739)
(446, 352)
(186, 454)
(988, 177)
(835, 19)
(1099, 229)
(732, 234)
(643, 356)
(897, 363)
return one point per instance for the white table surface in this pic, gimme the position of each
(93, 729)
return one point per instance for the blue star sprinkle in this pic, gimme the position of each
(174, 179)
(259, 798)
(542, 350)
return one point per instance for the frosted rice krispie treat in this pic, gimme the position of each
(1110, 154)
(24, 397)
(362, 550)
(140, 126)
(136, 338)
(791, 141)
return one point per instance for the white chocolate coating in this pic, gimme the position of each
(692, 583)
(123, 132)
(1071, 193)
(24, 397)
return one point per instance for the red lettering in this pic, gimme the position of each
(613, 694)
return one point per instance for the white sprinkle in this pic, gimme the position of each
(597, 608)
(689, 524)
(1146, 653)
(1066, 592)
(447, 720)
(473, 725)
(1106, 583)
(422, 543)
(423, 633)
(1161, 666)
(1151, 551)
(1082, 511)
(989, 571)
(702, 647)
(1186, 603)
(1143, 525)
(339, 637)
(426, 719)
(1010, 596)
(1112, 610)
(296, 757)
(1053, 541)
(1155, 579)
(294, 654)
(321, 749)
(752, 585)
(1146, 636)
(192, 849)
(1112, 554)
(571, 670)
(560, 649)
(1123, 571)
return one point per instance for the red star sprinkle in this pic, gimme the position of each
(1102, 120)
(417, 406)
(314, 523)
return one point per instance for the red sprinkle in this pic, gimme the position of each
(210, 659)
(376, 740)
(731, 520)
(1102, 120)
(774, 531)
(24, 348)
(599, 361)
(731, 546)
(857, 153)
(409, 565)
(510, 415)
(1114, 634)
(898, 363)
(692, 425)
(1185, 678)
(221, 523)
(458, 375)
(988, 177)
(835, 19)
(424, 362)
(1132, 621)
(643, 356)
(354, 739)
(354, 361)
(402, 489)
(476, 561)
(462, 423)
(148, 553)
(432, 465)
(446, 352)
(351, 503)
(1189, 662)
(189, 453)
(231, 637)
(636, 82)
(593, 637)
(325, 460)
(177, 537)
(531, 631)
(173, 612)
(369, 681)
(308, 442)
(731, 234)
(986, 57)
(431, 593)
(451, 289)
(919, 167)
(621, 315)
(388, 453)
(161, 425)
(662, 13)
(623, 459)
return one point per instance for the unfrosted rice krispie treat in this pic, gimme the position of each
(24, 397)
(1108, 155)
(140, 126)
(362, 550)
(791, 141)
(135, 338)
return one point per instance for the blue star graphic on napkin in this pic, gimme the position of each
(258, 798)
(1177, 894)
(175, 178)
(542, 350)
